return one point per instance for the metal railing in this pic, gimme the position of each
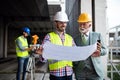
(113, 62)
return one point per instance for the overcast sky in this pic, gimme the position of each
(113, 13)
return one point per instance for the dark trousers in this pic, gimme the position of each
(60, 78)
(88, 76)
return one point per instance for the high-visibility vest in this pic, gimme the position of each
(55, 39)
(24, 44)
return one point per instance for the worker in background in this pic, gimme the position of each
(91, 68)
(22, 52)
(59, 69)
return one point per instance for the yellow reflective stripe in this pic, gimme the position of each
(55, 39)
(60, 64)
(25, 44)
(22, 54)
(68, 40)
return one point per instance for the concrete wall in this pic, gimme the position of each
(86, 6)
(1, 38)
(73, 11)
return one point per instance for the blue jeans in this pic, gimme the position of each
(22, 64)
(60, 78)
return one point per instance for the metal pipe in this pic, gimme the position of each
(93, 15)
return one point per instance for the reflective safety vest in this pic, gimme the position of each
(24, 44)
(55, 39)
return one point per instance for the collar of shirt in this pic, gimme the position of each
(62, 36)
(59, 33)
(24, 37)
(86, 35)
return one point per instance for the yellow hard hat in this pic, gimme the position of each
(84, 17)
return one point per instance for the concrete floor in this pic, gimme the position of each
(8, 69)
(12, 76)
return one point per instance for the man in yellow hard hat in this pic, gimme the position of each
(60, 69)
(91, 68)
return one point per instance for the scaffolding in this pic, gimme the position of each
(113, 63)
(114, 51)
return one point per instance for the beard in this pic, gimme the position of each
(61, 29)
(83, 30)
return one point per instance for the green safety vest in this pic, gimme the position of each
(24, 44)
(55, 39)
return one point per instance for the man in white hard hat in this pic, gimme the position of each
(59, 69)
(91, 68)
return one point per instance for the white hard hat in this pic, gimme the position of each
(61, 16)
